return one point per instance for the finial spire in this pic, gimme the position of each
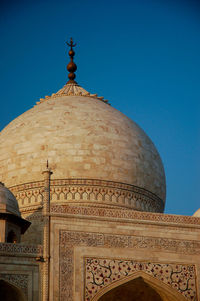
(71, 67)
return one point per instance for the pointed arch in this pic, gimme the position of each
(10, 292)
(166, 292)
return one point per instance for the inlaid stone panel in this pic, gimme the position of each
(101, 272)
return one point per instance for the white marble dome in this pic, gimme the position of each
(82, 137)
(8, 202)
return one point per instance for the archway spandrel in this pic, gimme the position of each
(102, 273)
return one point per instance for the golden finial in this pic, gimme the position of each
(71, 67)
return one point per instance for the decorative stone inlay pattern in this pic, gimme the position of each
(29, 195)
(19, 280)
(124, 214)
(99, 273)
(107, 193)
(19, 249)
(68, 240)
(103, 187)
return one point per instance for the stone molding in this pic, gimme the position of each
(68, 240)
(18, 280)
(101, 272)
(26, 186)
(94, 191)
(19, 249)
(123, 214)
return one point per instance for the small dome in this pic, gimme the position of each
(197, 213)
(8, 202)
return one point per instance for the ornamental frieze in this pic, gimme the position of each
(89, 190)
(106, 192)
(98, 211)
(20, 249)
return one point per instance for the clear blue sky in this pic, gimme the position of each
(142, 55)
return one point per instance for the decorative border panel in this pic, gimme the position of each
(124, 214)
(20, 249)
(68, 240)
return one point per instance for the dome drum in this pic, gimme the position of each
(88, 192)
(101, 193)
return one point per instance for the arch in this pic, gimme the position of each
(9, 292)
(99, 197)
(61, 196)
(77, 196)
(159, 289)
(12, 237)
(85, 196)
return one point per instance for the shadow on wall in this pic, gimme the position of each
(134, 290)
(9, 292)
(34, 234)
(142, 287)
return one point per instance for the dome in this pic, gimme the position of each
(8, 202)
(82, 137)
(98, 156)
